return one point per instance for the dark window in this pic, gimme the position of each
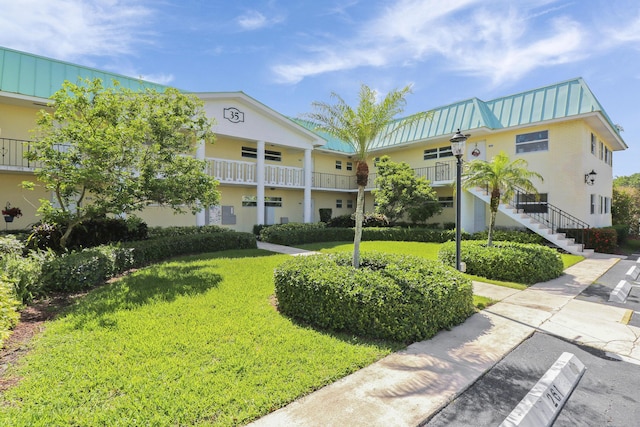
(532, 203)
(349, 204)
(437, 153)
(349, 166)
(446, 202)
(534, 141)
(268, 201)
(252, 153)
(339, 203)
(339, 164)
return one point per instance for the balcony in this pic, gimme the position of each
(241, 172)
(12, 153)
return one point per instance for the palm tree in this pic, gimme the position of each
(501, 177)
(369, 122)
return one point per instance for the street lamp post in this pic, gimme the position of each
(457, 147)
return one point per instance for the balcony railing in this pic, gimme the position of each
(239, 172)
(284, 176)
(442, 171)
(232, 171)
(12, 153)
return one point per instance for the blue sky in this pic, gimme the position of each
(287, 54)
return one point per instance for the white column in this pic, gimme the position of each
(260, 182)
(468, 213)
(200, 216)
(308, 215)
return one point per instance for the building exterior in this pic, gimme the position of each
(274, 169)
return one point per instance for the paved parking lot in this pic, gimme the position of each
(607, 395)
(600, 290)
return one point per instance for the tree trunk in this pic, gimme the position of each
(362, 178)
(359, 220)
(493, 207)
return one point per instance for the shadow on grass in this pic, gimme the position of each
(182, 276)
(155, 284)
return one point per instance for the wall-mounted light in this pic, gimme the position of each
(590, 178)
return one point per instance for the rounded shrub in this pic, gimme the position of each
(510, 261)
(398, 297)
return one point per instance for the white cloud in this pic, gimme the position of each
(254, 20)
(68, 29)
(163, 79)
(497, 39)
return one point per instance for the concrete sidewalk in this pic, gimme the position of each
(408, 387)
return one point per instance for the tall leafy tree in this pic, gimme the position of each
(111, 150)
(400, 191)
(628, 181)
(625, 207)
(501, 176)
(370, 121)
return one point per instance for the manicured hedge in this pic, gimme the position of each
(403, 298)
(515, 262)
(39, 273)
(82, 270)
(603, 240)
(174, 231)
(296, 234)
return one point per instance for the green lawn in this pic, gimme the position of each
(195, 341)
(191, 342)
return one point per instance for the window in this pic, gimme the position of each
(446, 202)
(268, 201)
(534, 141)
(531, 203)
(437, 153)
(593, 144)
(593, 204)
(600, 204)
(339, 203)
(601, 151)
(607, 156)
(375, 161)
(349, 204)
(273, 201)
(249, 201)
(339, 164)
(607, 205)
(349, 166)
(252, 153)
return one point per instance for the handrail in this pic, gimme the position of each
(551, 216)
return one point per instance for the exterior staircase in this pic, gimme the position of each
(544, 219)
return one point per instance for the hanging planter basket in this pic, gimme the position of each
(8, 218)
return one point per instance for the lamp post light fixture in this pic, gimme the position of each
(590, 178)
(457, 147)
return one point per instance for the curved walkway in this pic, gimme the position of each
(408, 387)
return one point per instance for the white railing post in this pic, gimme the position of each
(307, 168)
(260, 172)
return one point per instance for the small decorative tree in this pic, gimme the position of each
(501, 177)
(399, 191)
(371, 120)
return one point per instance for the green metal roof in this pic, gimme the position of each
(333, 144)
(556, 101)
(32, 75)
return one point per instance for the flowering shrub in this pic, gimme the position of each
(603, 240)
